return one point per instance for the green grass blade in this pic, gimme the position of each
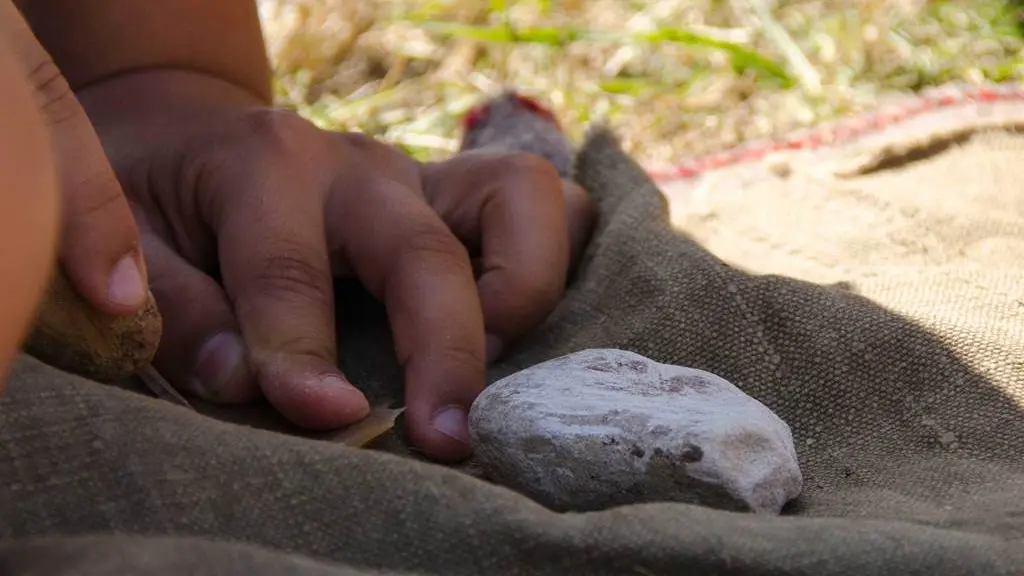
(742, 58)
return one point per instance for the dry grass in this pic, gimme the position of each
(674, 77)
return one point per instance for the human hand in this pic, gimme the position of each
(247, 212)
(99, 242)
(29, 209)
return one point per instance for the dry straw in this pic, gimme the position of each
(674, 77)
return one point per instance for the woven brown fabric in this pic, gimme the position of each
(871, 294)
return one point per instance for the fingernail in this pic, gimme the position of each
(125, 286)
(218, 363)
(494, 347)
(452, 422)
(336, 382)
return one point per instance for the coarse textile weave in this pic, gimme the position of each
(871, 293)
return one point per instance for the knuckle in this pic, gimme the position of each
(288, 276)
(461, 358)
(436, 243)
(532, 166)
(56, 99)
(306, 344)
(98, 197)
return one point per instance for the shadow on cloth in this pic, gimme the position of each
(912, 459)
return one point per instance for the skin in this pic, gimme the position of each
(29, 204)
(245, 213)
(99, 235)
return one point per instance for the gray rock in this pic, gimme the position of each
(602, 428)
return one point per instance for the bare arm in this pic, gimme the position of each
(95, 40)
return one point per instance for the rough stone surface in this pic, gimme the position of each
(604, 427)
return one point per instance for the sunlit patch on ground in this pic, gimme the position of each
(675, 78)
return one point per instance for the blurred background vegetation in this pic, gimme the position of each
(675, 78)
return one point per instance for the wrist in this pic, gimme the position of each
(162, 93)
(134, 112)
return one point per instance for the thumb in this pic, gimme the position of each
(99, 247)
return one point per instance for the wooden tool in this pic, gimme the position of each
(72, 335)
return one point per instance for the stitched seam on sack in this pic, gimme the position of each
(769, 354)
(922, 406)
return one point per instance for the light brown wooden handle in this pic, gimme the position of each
(72, 335)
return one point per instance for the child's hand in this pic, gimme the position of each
(28, 206)
(274, 207)
(99, 242)
(55, 177)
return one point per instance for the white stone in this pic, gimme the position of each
(604, 427)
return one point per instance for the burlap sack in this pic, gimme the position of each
(872, 294)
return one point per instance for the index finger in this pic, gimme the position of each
(406, 257)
